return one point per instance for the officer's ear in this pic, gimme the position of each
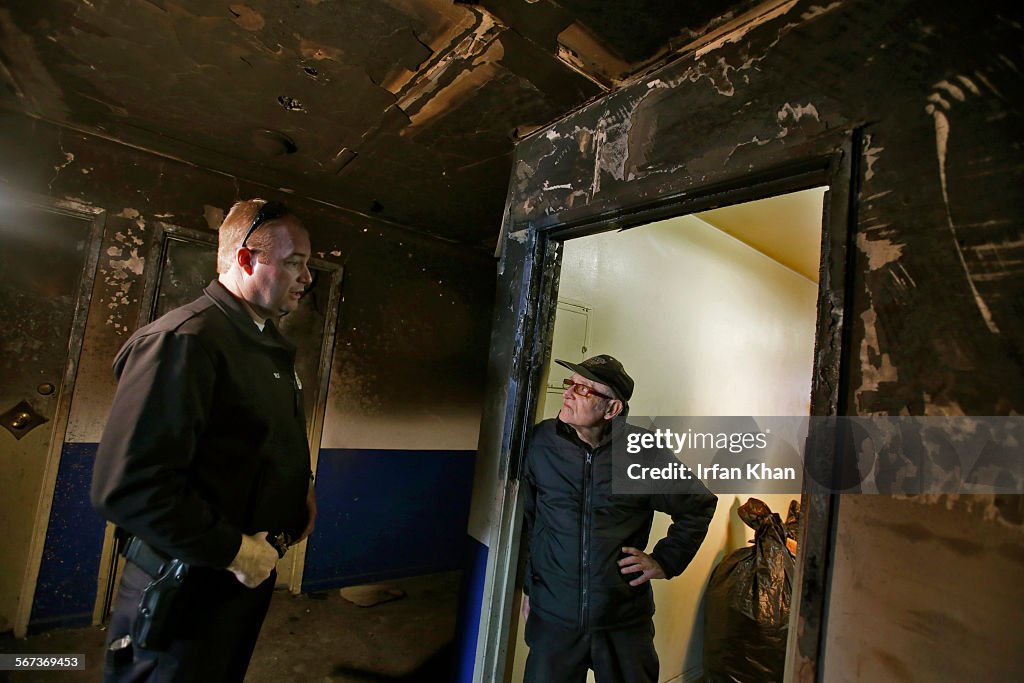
(244, 258)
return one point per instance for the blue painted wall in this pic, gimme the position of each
(66, 589)
(385, 514)
(467, 625)
(381, 514)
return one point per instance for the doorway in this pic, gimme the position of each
(529, 281)
(713, 314)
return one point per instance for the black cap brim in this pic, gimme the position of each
(589, 375)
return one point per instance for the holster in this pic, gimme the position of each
(153, 623)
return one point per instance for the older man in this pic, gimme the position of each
(204, 464)
(588, 602)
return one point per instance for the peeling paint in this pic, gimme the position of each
(788, 113)
(953, 90)
(880, 252)
(246, 17)
(585, 54)
(938, 99)
(969, 84)
(935, 408)
(69, 158)
(942, 131)
(817, 10)
(872, 375)
(871, 155)
(122, 272)
(474, 60)
(614, 151)
(519, 236)
(318, 51)
(745, 27)
(214, 216)
(599, 136)
(798, 112)
(133, 264)
(547, 188)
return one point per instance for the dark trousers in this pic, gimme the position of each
(212, 640)
(563, 655)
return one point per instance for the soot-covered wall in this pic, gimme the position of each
(929, 96)
(399, 439)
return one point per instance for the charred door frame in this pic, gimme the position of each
(164, 232)
(533, 291)
(96, 218)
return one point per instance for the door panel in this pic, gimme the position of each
(47, 265)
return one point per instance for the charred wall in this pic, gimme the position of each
(407, 369)
(929, 98)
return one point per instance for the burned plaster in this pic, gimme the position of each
(214, 216)
(247, 17)
(939, 106)
(927, 284)
(622, 140)
(69, 158)
(423, 100)
(428, 302)
(122, 268)
(871, 156)
(630, 146)
(876, 366)
(880, 252)
(742, 26)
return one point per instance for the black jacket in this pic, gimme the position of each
(206, 437)
(577, 528)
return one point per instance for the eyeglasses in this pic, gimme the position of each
(270, 211)
(584, 390)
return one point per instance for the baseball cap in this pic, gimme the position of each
(606, 370)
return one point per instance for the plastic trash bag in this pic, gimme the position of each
(746, 613)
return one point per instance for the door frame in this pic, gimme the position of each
(533, 289)
(110, 561)
(95, 217)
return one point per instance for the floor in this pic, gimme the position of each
(320, 638)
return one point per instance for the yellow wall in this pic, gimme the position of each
(705, 325)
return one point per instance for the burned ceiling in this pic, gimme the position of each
(407, 110)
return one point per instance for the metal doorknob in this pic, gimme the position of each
(20, 420)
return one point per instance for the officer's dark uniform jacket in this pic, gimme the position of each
(577, 529)
(206, 437)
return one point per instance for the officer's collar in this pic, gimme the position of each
(237, 313)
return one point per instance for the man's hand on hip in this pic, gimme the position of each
(255, 560)
(639, 561)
